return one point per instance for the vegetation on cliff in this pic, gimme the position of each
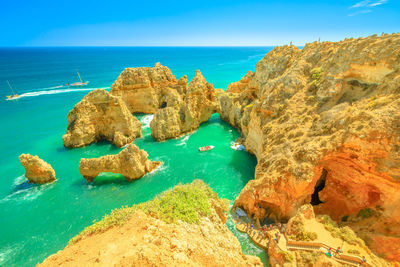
(188, 203)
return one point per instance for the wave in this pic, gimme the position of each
(28, 194)
(184, 140)
(8, 252)
(145, 120)
(19, 180)
(60, 91)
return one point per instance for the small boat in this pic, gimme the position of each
(238, 146)
(81, 83)
(14, 95)
(205, 148)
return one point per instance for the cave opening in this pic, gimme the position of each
(163, 105)
(320, 185)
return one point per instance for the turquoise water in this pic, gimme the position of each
(38, 220)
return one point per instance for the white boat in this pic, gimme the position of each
(14, 95)
(81, 83)
(238, 146)
(205, 148)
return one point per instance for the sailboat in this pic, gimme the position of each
(81, 83)
(14, 95)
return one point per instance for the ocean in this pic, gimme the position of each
(39, 220)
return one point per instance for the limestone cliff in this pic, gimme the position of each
(101, 116)
(178, 107)
(37, 170)
(197, 106)
(131, 162)
(324, 123)
(153, 234)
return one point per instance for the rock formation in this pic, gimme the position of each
(146, 89)
(143, 239)
(101, 116)
(131, 162)
(197, 106)
(37, 170)
(179, 107)
(324, 124)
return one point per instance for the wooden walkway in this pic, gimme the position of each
(286, 244)
(255, 235)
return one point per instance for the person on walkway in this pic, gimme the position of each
(338, 251)
(364, 260)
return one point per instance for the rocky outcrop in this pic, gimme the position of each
(146, 89)
(178, 107)
(37, 170)
(197, 106)
(101, 116)
(131, 162)
(146, 240)
(324, 124)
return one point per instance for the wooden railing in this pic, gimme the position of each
(303, 245)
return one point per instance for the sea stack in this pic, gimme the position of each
(101, 116)
(178, 107)
(131, 162)
(37, 170)
(197, 106)
(324, 124)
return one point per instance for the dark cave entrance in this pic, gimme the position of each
(163, 105)
(318, 187)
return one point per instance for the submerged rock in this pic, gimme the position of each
(101, 116)
(37, 170)
(324, 124)
(131, 162)
(178, 107)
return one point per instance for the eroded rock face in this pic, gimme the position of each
(37, 170)
(101, 116)
(178, 107)
(197, 106)
(131, 162)
(324, 123)
(146, 89)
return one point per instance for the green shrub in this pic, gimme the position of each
(188, 203)
(286, 256)
(299, 233)
(345, 233)
(365, 213)
(316, 74)
(316, 77)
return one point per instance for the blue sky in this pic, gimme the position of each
(191, 23)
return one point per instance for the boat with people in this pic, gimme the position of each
(205, 148)
(14, 95)
(81, 83)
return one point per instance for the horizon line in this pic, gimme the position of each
(138, 46)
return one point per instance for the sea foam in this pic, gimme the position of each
(59, 91)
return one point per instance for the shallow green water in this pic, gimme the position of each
(37, 221)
